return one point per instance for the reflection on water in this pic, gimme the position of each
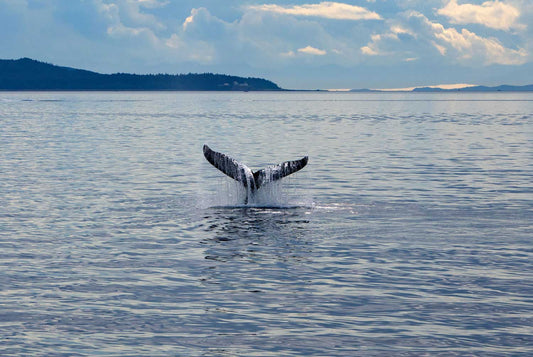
(250, 232)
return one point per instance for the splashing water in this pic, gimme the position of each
(274, 194)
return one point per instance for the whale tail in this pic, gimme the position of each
(252, 180)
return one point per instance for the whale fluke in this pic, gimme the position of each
(277, 172)
(242, 173)
(228, 165)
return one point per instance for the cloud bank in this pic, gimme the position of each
(493, 14)
(457, 46)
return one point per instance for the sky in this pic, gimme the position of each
(297, 44)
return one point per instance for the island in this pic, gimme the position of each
(27, 74)
(500, 88)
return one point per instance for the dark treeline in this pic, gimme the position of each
(28, 74)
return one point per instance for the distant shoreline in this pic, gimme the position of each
(436, 89)
(244, 91)
(26, 74)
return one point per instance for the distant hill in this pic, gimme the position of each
(29, 74)
(502, 88)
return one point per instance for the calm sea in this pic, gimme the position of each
(409, 232)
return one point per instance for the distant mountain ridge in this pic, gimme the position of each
(29, 74)
(500, 88)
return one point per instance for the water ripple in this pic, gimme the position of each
(408, 233)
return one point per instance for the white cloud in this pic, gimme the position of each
(312, 51)
(418, 36)
(369, 51)
(132, 15)
(398, 29)
(494, 14)
(374, 47)
(453, 86)
(190, 19)
(470, 46)
(441, 49)
(329, 10)
(109, 11)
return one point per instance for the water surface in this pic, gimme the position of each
(408, 233)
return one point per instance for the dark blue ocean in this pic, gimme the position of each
(409, 233)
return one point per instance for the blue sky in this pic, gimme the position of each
(298, 44)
